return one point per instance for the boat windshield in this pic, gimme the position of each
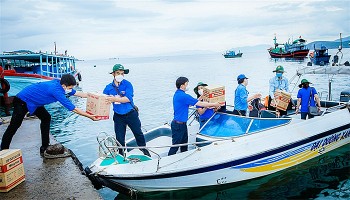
(226, 125)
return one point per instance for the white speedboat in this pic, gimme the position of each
(228, 149)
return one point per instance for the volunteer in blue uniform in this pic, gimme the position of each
(241, 96)
(181, 103)
(33, 98)
(125, 112)
(278, 82)
(306, 97)
(204, 113)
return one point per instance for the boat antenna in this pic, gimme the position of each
(55, 48)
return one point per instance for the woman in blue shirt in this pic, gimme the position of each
(241, 96)
(306, 97)
(204, 112)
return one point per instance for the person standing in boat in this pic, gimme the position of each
(241, 96)
(204, 112)
(278, 82)
(307, 96)
(125, 112)
(181, 103)
(33, 98)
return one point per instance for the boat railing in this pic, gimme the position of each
(109, 147)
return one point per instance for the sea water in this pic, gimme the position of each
(154, 78)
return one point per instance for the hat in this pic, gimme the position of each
(199, 84)
(279, 68)
(241, 76)
(304, 81)
(117, 67)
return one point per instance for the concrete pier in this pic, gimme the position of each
(58, 178)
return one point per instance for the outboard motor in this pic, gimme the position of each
(335, 59)
(345, 96)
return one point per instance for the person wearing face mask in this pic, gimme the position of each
(204, 113)
(241, 96)
(278, 82)
(307, 96)
(121, 94)
(181, 103)
(33, 98)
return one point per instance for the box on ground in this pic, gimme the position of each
(11, 169)
(214, 94)
(97, 105)
(282, 99)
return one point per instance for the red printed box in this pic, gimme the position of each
(97, 105)
(282, 99)
(11, 169)
(213, 94)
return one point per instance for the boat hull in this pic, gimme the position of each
(295, 54)
(245, 159)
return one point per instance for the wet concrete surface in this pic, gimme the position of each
(58, 178)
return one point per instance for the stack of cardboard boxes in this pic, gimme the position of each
(11, 169)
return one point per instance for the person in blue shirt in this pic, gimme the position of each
(241, 96)
(278, 82)
(33, 98)
(121, 94)
(307, 96)
(204, 113)
(181, 103)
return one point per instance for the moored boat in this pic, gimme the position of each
(232, 54)
(227, 149)
(296, 49)
(21, 68)
(320, 56)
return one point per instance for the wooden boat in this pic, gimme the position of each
(296, 49)
(232, 54)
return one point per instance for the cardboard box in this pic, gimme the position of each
(96, 105)
(282, 99)
(213, 94)
(11, 169)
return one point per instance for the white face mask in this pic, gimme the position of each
(67, 91)
(200, 92)
(119, 78)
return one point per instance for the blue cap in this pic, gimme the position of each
(241, 76)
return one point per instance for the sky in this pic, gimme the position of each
(97, 29)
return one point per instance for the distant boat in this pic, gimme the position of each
(320, 56)
(232, 54)
(296, 49)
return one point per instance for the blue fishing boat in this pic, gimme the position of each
(19, 69)
(232, 54)
(320, 56)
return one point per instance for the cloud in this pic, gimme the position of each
(111, 28)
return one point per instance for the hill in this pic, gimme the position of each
(330, 44)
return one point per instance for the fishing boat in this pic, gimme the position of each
(21, 68)
(320, 56)
(296, 49)
(232, 54)
(227, 149)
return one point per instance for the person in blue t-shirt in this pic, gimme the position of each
(33, 98)
(306, 97)
(125, 112)
(181, 103)
(204, 113)
(241, 96)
